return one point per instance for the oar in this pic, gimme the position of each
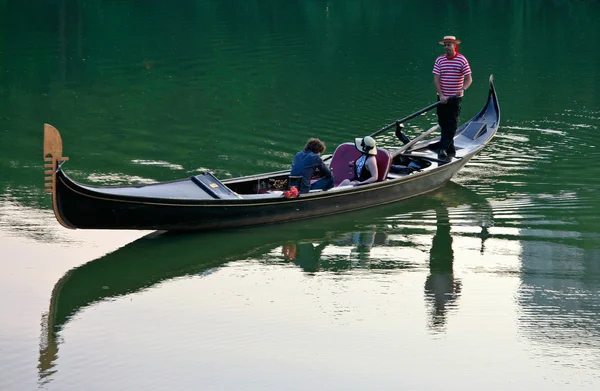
(413, 115)
(398, 122)
(405, 147)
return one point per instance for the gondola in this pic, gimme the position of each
(203, 202)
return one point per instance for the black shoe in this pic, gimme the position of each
(442, 154)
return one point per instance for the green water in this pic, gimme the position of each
(491, 282)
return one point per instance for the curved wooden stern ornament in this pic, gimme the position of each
(53, 158)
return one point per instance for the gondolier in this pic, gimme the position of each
(451, 77)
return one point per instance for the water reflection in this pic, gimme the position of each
(442, 289)
(308, 255)
(377, 240)
(559, 296)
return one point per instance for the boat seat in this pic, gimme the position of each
(347, 153)
(212, 186)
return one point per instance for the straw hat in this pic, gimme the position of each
(366, 145)
(449, 38)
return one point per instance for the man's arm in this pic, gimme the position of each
(324, 169)
(438, 88)
(468, 82)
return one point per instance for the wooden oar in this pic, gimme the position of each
(406, 147)
(398, 122)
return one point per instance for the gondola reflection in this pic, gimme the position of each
(328, 245)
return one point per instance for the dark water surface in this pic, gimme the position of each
(492, 282)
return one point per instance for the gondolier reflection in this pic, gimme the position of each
(365, 167)
(308, 163)
(442, 288)
(451, 77)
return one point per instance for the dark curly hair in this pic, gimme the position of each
(315, 145)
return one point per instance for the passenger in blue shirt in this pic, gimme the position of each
(308, 163)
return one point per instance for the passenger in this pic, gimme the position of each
(308, 163)
(365, 167)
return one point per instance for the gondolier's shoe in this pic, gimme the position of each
(451, 150)
(442, 154)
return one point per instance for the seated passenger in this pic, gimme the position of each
(308, 163)
(365, 167)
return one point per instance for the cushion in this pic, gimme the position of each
(347, 153)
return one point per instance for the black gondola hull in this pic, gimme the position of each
(80, 208)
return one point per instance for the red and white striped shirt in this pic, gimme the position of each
(452, 73)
